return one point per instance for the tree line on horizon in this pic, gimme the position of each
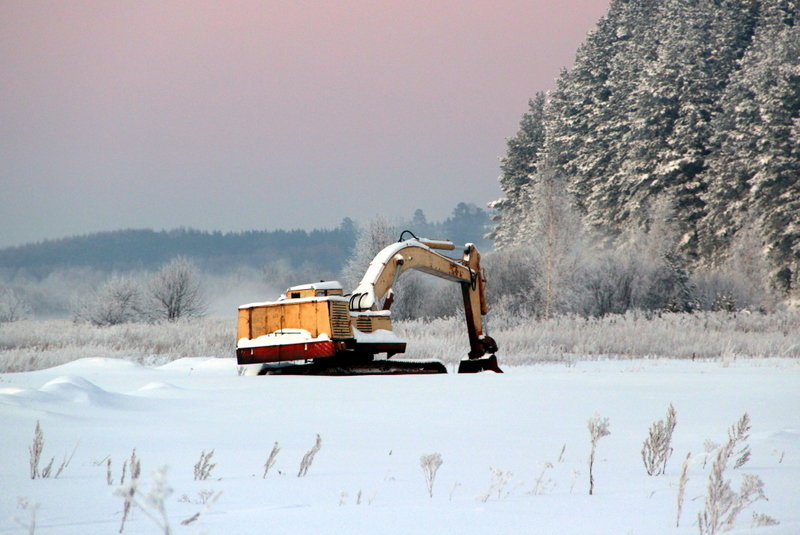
(79, 276)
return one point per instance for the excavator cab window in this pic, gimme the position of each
(321, 293)
(295, 295)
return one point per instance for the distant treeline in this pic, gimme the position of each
(144, 249)
(219, 252)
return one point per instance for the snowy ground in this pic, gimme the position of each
(374, 431)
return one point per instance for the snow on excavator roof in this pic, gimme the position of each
(322, 285)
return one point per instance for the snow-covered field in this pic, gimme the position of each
(530, 423)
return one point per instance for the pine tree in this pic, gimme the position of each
(756, 149)
(696, 102)
(516, 167)
(699, 41)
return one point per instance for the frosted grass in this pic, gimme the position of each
(32, 345)
(710, 335)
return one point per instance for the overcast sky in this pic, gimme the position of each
(274, 114)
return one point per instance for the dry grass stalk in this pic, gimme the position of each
(709, 446)
(540, 484)
(739, 435)
(128, 492)
(762, 520)
(151, 504)
(308, 458)
(722, 503)
(271, 459)
(203, 467)
(25, 505)
(682, 480)
(657, 447)
(35, 450)
(430, 465)
(452, 490)
(65, 462)
(48, 469)
(598, 428)
(497, 484)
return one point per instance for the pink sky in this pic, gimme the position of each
(274, 114)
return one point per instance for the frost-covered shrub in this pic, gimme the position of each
(616, 281)
(729, 290)
(409, 294)
(439, 299)
(511, 280)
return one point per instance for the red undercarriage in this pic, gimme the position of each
(286, 352)
(309, 351)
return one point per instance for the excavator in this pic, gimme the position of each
(316, 329)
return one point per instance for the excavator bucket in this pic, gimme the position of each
(482, 364)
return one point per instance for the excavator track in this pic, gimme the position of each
(374, 367)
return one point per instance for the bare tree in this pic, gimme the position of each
(408, 290)
(379, 233)
(556, 237)
(13, 307)
(118, 300)
(176, 291)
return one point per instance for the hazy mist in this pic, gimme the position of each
(242, 115)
